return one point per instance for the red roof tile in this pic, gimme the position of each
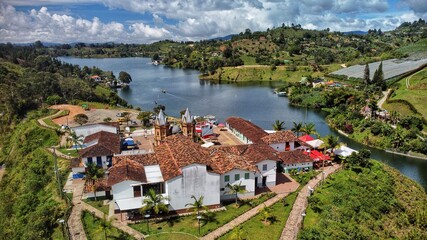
(108, 144)
(225, 160)
(126, 170)
(295, 156)
(248, 129)
(280, 137)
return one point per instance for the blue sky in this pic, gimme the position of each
(146, 21)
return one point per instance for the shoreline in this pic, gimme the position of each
(385, 150)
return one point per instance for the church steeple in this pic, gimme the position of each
(187, 125)
(161, 128)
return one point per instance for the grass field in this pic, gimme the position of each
(98, 204)
(266, 73)
(255, 228)
(94, 230)
(368, 203)
(188, 224)
(413, 90)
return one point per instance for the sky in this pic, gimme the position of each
(147, 21)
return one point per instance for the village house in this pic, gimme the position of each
(180, 168)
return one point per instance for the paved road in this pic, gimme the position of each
(294, 222)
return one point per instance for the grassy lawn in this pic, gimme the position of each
(174, 236)
(248, 60)
(256, 228)
(416, 94)
(94, 230)
(265, 73)
(98, 204)
(67, 151)
(212, 221)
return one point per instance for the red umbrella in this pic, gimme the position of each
(221, 125)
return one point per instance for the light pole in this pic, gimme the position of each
(198, 222)
(147, 216)
(303, 216)
(57, 172)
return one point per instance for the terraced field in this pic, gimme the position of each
(413, 90)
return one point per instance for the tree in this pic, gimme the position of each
(197, 205)
(125, 77)
(93, 172)
(76, 140)
(278, 125)
(297, 128)
(154, 202)
(309, 128)
(81, 118)
(105, 226)
(359, 159)
(144, 117)
(235, 189)
(126, 116)
(366, 75)
(330, 142)
(237, 234)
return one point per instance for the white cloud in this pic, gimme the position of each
(196, 19)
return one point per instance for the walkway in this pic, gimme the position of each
(117, 224)
(74, 221)
(383, 99)
(43, 123)
(294, 222)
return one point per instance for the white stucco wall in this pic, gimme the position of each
(281, 146)
(195, 180)
(270, 173)
(248, 183)
(299, 166)
(104, 161)
(86, 130)
(123, 189)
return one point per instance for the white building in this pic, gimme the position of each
(88, 129)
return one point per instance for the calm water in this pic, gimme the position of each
(254, 102)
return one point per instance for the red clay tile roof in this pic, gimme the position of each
(126, 170)
(254, 153)
(280, 137)
(108, 144)
(178, 151)
(295, 156)
(225, 160)
(248, 129)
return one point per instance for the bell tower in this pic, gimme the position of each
(161, 128)
(187, 125)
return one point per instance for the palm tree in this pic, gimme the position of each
(197, 205)
(297, 128)
(154, 202)
(93, 173)
(330, 142)
(76, 140)
(235, 189)
(237, 234)
(309, 128)
(278, 125)
(105, 226)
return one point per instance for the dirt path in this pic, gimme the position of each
(67, 120)
(383, 99)
(294, 222)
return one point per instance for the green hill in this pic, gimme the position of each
(368, 203)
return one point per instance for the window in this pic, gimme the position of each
(222, 189)
(99, 161)
(89, 160)
(226, 178)
(136, 191)
(246, 175)
(236, 177)
(264, 167)
(243, 188)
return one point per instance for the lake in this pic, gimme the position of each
(178, 89)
